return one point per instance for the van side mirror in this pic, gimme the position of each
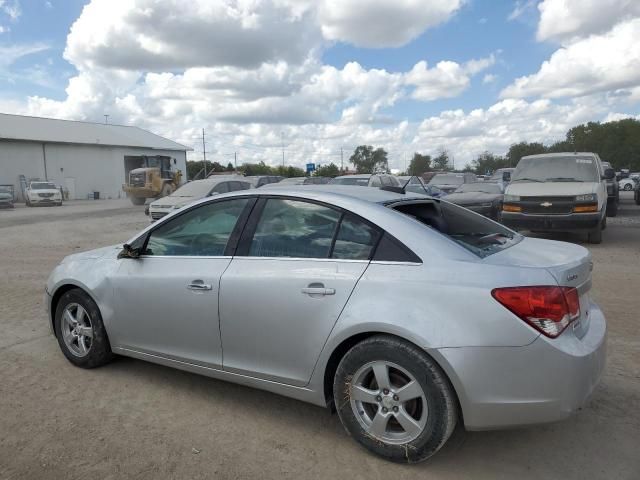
(129, 252)
(609, 174)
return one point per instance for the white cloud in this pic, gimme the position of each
(521, 8)
(447, 79)
(382, 23)
(161, 35)
(509, 121)
(10, 53)
(598, 63)
(565, 19)
(11, 9)
(489, 78)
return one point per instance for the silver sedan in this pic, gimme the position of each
(405, 313)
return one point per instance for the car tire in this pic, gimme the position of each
(628, 187)
(137, 200)
(406, 430)
(595, 236)
(80, 332)
(612, 208)
(637, 197)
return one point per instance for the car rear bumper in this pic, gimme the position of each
(561, 223)
(545, 381)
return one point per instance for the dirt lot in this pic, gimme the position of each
(137, 420)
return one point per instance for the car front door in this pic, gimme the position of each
(296, 266)
(167, 299)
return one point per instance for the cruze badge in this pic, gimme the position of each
(572, 276)
(546, 204)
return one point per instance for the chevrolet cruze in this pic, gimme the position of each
(406, 314)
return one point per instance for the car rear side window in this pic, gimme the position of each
(291, 228)
(391, 250)
(355, 240)
(201, 231)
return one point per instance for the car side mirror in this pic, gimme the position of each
(129, 252)
(506, 176)
(609, 174)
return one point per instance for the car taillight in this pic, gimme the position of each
(547, 309)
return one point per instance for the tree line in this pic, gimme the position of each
(616, 142)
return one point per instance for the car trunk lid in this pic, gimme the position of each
(569, 264)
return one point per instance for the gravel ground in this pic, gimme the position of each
(133, 419)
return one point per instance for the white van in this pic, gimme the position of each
(563, 192)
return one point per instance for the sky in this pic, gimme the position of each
(316, 78)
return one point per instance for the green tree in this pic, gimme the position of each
(522, 149)
(230, 167)
(441, 162)
(330, 170)
(487, 163)
(195, 169)
(368, 160)
(288, 171)
(250, 169)
(419, 164)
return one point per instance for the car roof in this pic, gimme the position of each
(359, 175)
(561, 154)
(221, 178)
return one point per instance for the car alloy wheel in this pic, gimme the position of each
(76, 329)
(388, 402)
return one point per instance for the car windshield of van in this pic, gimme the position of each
(447, 179)
(363, 182)
(43, 186)
(567, 168)
(197, 189)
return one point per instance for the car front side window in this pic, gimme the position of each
(201, 231)
(292, 228)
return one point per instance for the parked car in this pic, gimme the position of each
(43, 193)
(6, 196)
(626, 184)
(448, 182)
(415, 184)
(484, 198)
(636, 190)
(565, 192)
(613, 193)
(409, 314)
(367, 180)
(501, 176)
(187, 193)
(261, 180)
(303, 181)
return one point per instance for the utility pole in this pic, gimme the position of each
(235, 161)
(106, 119)
(282, 139)
(341, 160)
(204, 155)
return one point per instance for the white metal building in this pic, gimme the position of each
(82, 157)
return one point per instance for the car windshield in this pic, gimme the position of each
(479, 235)
(43, 186)
(479, 187)
(561, 168)
(4, 189)
(197, 189)
(363, 182)
(447, 179)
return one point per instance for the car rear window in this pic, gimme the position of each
(478, 234)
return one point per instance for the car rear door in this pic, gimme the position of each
(296, 266)
(167, 299)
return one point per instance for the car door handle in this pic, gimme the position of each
(318, 289)
(199, 286)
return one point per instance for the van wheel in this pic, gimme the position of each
(394, 400)
(595, 236)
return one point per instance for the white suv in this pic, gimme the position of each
(564, 192)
